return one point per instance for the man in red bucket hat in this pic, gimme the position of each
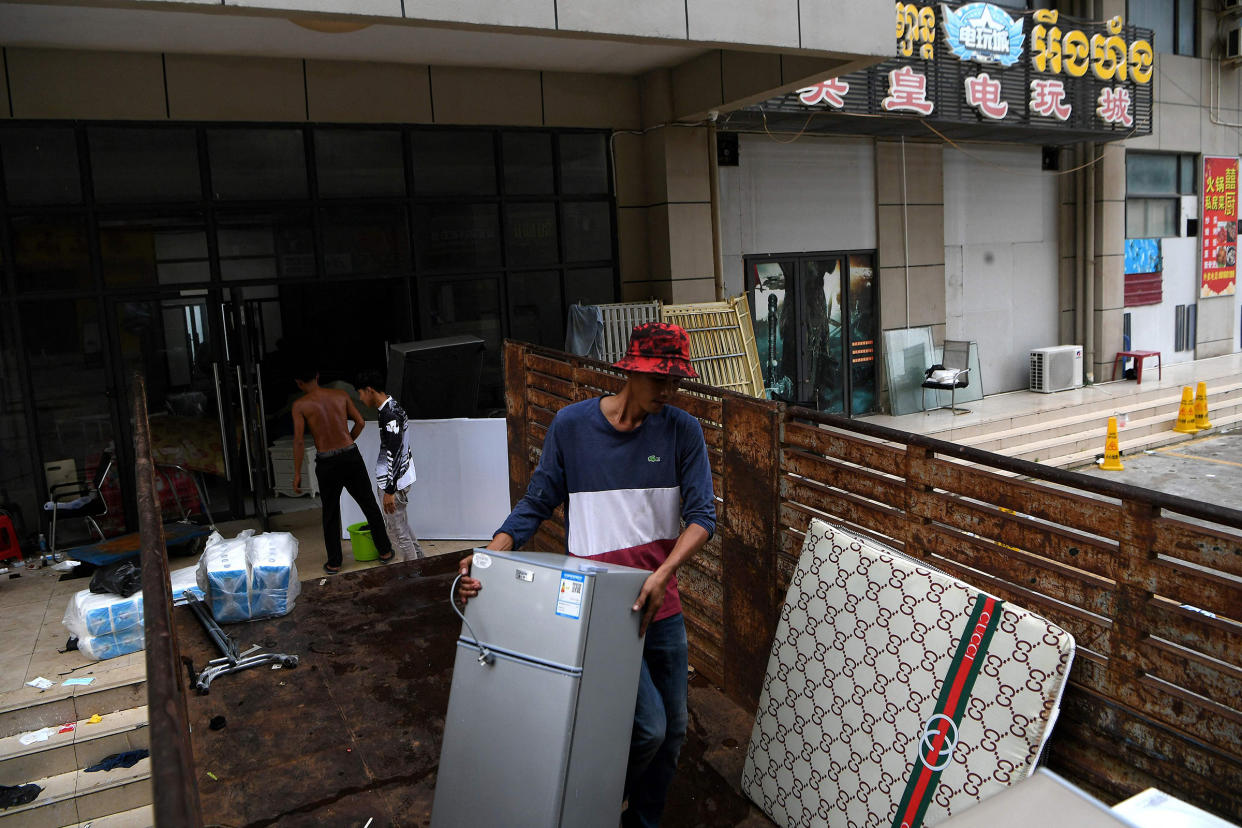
(634, 473)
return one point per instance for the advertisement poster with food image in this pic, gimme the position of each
(1220, 227)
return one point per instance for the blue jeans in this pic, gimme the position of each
(659, 722)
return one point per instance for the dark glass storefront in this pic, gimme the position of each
(215, 257)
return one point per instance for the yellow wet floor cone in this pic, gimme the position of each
(1186, 413)
(1112, 451)
(1201, 407)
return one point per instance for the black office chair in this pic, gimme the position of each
(952, 373)
(85, 496)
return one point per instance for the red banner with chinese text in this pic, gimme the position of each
(1219, 236)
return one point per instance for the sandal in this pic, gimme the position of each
(330, 569)
(387, 558)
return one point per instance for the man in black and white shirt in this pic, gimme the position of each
(394, 470)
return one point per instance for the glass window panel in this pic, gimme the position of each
(1189, 174)
(266, 247)
(535, 310)
(469, 306)
(359, 242)
(591, 286)
(346, 325)
(1186, 27)
(136, 253)
(64, 345)
(530, 231)
(454, 163)
(1161, 217)
(142, 164)
(50, 254)
(18, 485)
(587, 227)
(257, 163)
(528, 163)
(457, 236)
(359, 162)
(584, 163)
(1136, 218)
(1156, 15)
(1151, 174)
(41, 166)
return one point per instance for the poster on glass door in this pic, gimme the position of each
(1219, 239)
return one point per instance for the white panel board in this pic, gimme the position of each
(1001, 266)
(808, 195)
(462, 491)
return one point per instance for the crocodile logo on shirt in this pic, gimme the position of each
(653, 459)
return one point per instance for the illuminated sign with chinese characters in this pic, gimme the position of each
(1049, 77)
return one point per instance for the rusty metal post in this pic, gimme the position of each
(1135, 556)
(172, 758)
(750, 538)
(515, 419)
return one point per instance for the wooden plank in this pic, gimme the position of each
(854, 480)
(547, 365)
(597, 381)
(1081, 589)
(1211, 679)
(551, 384)
(1205, 590)
(1080, 512)
(1214, 637)
(1094, 728)
(542, 399)
(1062, 545)
(839, 446)
(704, 409)
(814, 500)
(1199, 545)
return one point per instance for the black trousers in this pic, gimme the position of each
(348, 471)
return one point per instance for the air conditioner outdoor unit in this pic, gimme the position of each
(1233, 43)
(1056, 369)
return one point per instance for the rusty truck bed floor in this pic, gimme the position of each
(353, 733)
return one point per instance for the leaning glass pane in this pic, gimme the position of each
(907, 354)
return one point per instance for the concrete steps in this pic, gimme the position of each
(70, 796)
(143, 817)
(1075, 435)
(77, 796)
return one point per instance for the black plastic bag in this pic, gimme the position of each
(123, 578)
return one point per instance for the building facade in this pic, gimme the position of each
(212, 195)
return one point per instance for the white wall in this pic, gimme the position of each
(808, 195)
(1001, 267)
(1152, 326)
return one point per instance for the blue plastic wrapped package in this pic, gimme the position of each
(111, 645)
(91, 614)
(223, 575)
(185, 581)
(273, 575)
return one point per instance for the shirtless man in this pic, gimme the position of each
(338, 465)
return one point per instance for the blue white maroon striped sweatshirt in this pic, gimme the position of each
(628, 491)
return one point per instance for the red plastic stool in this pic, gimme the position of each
(9, 547)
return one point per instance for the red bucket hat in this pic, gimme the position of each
(659, 348)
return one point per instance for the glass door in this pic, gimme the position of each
(244, 338)
(171, 342)
(815, 329)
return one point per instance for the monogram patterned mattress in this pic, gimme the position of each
(896, 695)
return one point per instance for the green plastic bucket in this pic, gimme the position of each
(360, 539)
